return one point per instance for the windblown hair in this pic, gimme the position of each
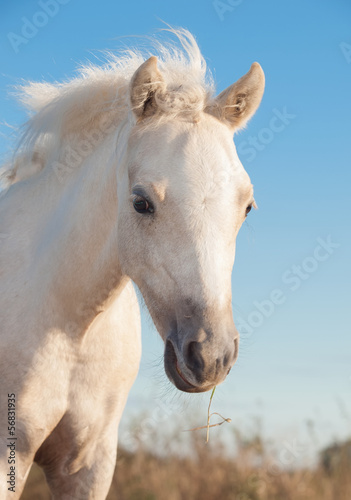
(100, 93)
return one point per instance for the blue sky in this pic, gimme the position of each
(295, 363)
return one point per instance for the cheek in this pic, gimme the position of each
(135, 245)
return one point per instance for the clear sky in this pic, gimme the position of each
(295, 356)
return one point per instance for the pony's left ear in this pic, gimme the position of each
(145, 83)
(238, 103)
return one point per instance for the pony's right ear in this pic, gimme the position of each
(146, 81)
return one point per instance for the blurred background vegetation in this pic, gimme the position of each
(236, 468)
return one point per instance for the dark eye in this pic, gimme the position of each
(142, 206)
(248, 210)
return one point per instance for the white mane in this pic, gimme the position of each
(97, 93)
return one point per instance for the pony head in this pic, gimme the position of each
(183, 195)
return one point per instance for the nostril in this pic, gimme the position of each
(193, 357)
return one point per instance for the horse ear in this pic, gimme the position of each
(146, 81)
(238, 103)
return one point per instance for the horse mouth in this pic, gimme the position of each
(174, 373)
(180, 373)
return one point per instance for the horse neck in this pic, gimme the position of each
(86, 274)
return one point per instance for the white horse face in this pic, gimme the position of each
(184, 197)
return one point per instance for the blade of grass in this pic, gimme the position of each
(209, 415)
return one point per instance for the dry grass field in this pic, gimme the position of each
(210, 474)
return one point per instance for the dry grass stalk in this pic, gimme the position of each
(209, 415)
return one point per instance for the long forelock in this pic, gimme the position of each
(97, 93)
